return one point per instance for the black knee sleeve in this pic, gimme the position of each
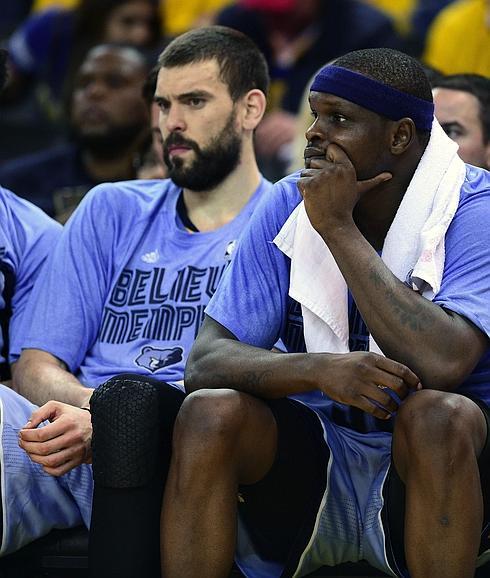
(132, 416)
(132, 419)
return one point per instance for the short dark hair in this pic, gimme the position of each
(242, 65)
(3, 68)
(478, 86)
(393, 68)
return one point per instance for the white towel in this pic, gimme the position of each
(413, 249)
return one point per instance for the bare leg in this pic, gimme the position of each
(438, 438)
(221, 438)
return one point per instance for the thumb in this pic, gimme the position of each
(368, 184)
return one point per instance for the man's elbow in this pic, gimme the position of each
(28, 367)
(448, 374)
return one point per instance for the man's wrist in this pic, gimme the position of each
(338, 229)
(85, 402)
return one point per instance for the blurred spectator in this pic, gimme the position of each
(177, 16)
(422, 16)
(432, 73)
(297, 38)
(40, 5)
(109, 119)
(458, 40)
(412, 19)
(400, 11)
(182, 16)
(462, 107)
(304, 119)
(3, 68)
(151, 164)
(46, 51)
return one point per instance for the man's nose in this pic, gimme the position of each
(314, 132)
(174, 120)
(96, 90)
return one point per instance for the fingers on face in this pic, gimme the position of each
(337, 155)
(367, 185)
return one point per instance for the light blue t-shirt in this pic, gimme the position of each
(126, 289)
(27, 236)
(256, 286)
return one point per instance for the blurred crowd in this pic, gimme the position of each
(78, 107)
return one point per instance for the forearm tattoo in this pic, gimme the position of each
(412, 315)
(246, 380)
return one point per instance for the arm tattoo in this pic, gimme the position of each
(246, 380)
(409, 315)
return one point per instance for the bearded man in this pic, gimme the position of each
(109, 124)
(126, 287)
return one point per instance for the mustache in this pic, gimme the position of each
(175, 139)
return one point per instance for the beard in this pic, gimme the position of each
(111, 143)
(211, 165)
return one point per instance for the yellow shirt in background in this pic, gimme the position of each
(459, 39)
(399, 10)
(177, 15)
(43, 4)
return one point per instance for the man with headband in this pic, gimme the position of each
(368, 439)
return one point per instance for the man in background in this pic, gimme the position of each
(462, 107)
(109, 121)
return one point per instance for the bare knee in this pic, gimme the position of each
(210, 416)
(225, 430)
(437, 427)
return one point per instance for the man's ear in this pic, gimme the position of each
(402, 136)
(254, 104)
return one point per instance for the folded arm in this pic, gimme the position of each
(218, 360)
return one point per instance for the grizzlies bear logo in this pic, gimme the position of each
(155, 359)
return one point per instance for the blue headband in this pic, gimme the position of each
(374, 95)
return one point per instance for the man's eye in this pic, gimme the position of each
(313, 113)
(115, 81)
(81, 82)
(453, 133)
(196, 102)
(337, 117)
